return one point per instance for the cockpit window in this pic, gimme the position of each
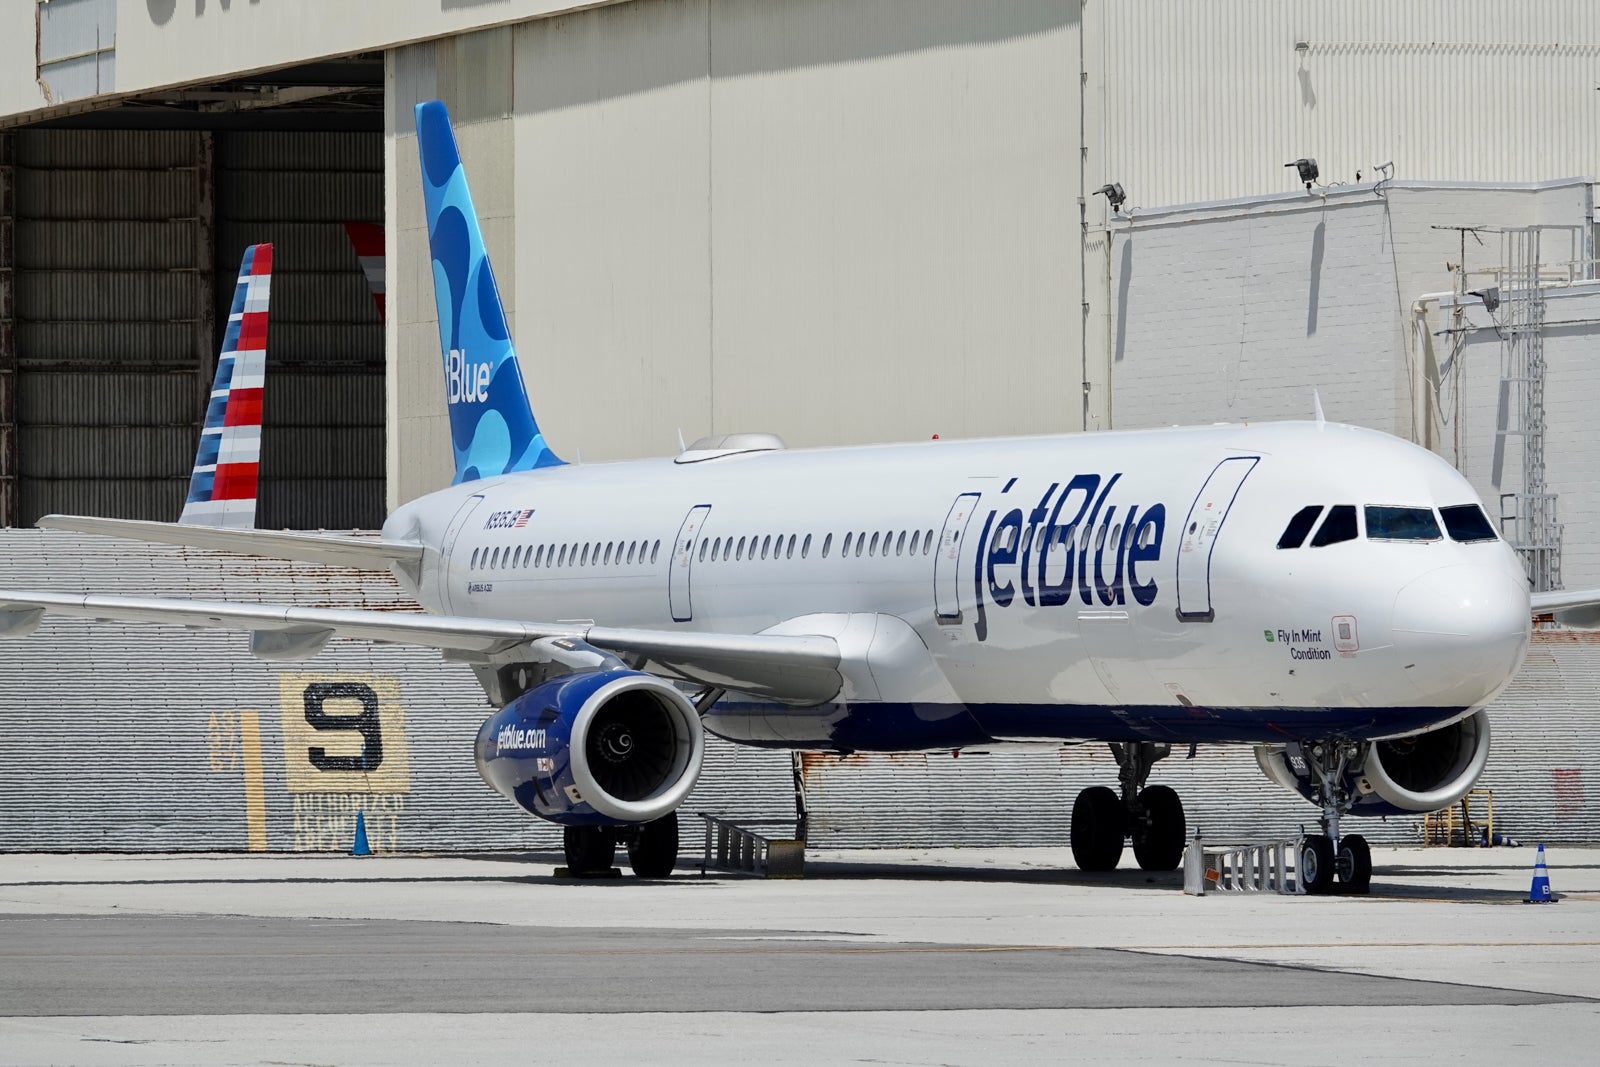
(1467, 522)
(1340, 525)
(1294, 535)
(1401, 524)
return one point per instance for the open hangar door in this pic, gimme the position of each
(124, 228)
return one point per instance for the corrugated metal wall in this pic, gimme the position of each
(127, 244)
(115, 736)
(322, 446)
(112, 269)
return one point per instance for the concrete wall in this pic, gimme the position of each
(1238, 310)
(828, 219)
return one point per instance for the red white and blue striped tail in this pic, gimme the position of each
(222, 491)
(367, 239)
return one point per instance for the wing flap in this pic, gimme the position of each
(361, 553)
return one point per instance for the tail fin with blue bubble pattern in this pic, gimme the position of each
(492, 428)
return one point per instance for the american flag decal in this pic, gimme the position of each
(522, 519)
(544, 765)
(222, 490)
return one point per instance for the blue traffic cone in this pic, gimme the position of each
(361, 848)
(1540, 893)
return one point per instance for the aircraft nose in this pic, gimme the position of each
(1463, 630)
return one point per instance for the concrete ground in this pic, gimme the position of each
(949, 956)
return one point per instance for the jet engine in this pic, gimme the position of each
(1422, 772)
(594, 748)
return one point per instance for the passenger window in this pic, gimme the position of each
(1340, 525)
(1294, 534)
(738, 553)
(827, 543)
(656, 551)
(1401, 524)
(766, 543)
(704, 546)
(861, 543)
(583, 561)
(1100, 538)
(805, 547)
(927, 541)
(474, 563)
(1467, 523)
(872, 550)
(845, 550)
(792, 539)
(563, 561)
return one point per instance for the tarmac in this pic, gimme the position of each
(946, 956)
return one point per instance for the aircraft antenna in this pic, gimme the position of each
(1316, 406)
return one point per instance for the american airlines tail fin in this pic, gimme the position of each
(492, 428)
(222, 490)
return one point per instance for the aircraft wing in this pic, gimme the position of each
(362, 553)
(794, 668)
(1578, 608)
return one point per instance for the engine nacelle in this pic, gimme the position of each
(1423, 772)
(594, 748)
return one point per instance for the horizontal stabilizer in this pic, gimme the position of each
(362, 553)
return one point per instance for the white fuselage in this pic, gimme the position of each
(1105, 585)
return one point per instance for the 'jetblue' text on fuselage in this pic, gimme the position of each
(1074, 542)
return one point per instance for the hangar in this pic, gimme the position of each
(836, 220)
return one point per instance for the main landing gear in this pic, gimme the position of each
(652, 848)
(1329, 856)
(1151, 815)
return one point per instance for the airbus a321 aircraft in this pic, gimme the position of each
(1333, 596)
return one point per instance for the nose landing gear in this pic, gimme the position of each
(1329, 855)
(1151, 815)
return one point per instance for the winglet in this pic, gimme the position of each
(1316, 406)
(492, 427)
(222, 488)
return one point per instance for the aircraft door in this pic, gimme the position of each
(683, 550)
(451, 533)
(947, 564)
(1200, 530)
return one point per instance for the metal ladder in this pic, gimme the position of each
(734, 847)
(1248, 867)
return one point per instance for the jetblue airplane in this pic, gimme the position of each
(1332, 596)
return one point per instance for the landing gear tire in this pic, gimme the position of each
(589, 849)
(653, 851)
(1354, 864)
(1158, 846)
(1099, 824)
(1316, 865)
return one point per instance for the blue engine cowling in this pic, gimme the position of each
(594, 748)
(1419, 773)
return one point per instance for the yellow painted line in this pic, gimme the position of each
(255, 791)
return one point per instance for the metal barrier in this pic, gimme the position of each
(1250, 867)
(732, 847)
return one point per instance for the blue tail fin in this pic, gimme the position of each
(491, 422)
